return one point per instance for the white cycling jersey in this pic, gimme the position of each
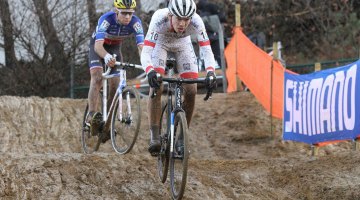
(161, 39)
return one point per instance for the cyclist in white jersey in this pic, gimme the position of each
(169, 31)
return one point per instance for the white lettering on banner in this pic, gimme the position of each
(322, 105)
(325, 111)
(338, 84)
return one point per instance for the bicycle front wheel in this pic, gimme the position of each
(125, 121)
(179, 157)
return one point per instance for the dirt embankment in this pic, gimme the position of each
(234, 155)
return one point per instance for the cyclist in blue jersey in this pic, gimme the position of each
(113, 27)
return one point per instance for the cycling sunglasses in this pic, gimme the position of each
(125, 12)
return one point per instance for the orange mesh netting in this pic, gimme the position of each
(253, 66)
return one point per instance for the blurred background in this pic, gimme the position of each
(44, 44)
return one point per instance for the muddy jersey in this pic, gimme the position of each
(113, 33)
(161, 38)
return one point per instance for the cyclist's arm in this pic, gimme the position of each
(99, 48)
(139, 33)
(149, 44)
(140, 48)
(102, 27)
(204, 43)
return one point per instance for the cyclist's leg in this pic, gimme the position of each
(154, 111)
(95, 66)
(190, 91)
(187, 67)
(154, 104)
(95, 85)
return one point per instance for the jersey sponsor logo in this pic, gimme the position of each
(187, 66)
(94, 61)
(162, 21)
(204, 35)
(104, 26)
(138, 28)
(161, 62)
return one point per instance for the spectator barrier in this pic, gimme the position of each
(257, 70)
(266, 78)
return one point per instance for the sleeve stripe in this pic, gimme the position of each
(148, 43)
(204, 43)
(210, 69)
(149, 68)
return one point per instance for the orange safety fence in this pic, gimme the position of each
(254, 66)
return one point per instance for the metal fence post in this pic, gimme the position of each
(223, 64)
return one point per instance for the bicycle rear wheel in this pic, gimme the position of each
(179, 157)
(163, 158)
(125, 121)
(89, 142)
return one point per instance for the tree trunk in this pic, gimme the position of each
(58, 72)
(7, 26)
(92, 15)
(53, 43)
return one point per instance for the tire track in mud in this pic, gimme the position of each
(231, 157)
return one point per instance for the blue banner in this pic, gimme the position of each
(322, 106)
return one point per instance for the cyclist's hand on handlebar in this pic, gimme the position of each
(210, 84)
(109, 60)
(154, 79)
(210, 80)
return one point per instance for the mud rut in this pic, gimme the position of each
(233, 156)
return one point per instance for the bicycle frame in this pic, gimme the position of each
(173, 151)
(172, 110)
(122, 84)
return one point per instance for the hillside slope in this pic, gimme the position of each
(233, 156)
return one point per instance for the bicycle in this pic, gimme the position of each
(122, 119)
(174, 136)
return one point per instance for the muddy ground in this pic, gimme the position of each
(234, 155)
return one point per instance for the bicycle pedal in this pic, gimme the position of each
(96, 124)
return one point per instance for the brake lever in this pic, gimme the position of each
(156, 89)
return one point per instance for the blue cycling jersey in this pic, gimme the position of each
(113, 33)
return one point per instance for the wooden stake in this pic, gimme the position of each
(314, 150)
(317, 66)
(275, 51)
(237, 15)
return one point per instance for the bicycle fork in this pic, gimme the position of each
(120, 111)
(172, 125)
(120, 92)
(172, 118)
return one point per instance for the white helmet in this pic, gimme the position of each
(182, 8)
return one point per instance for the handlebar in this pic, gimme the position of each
(122, 65)
(188, 81)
